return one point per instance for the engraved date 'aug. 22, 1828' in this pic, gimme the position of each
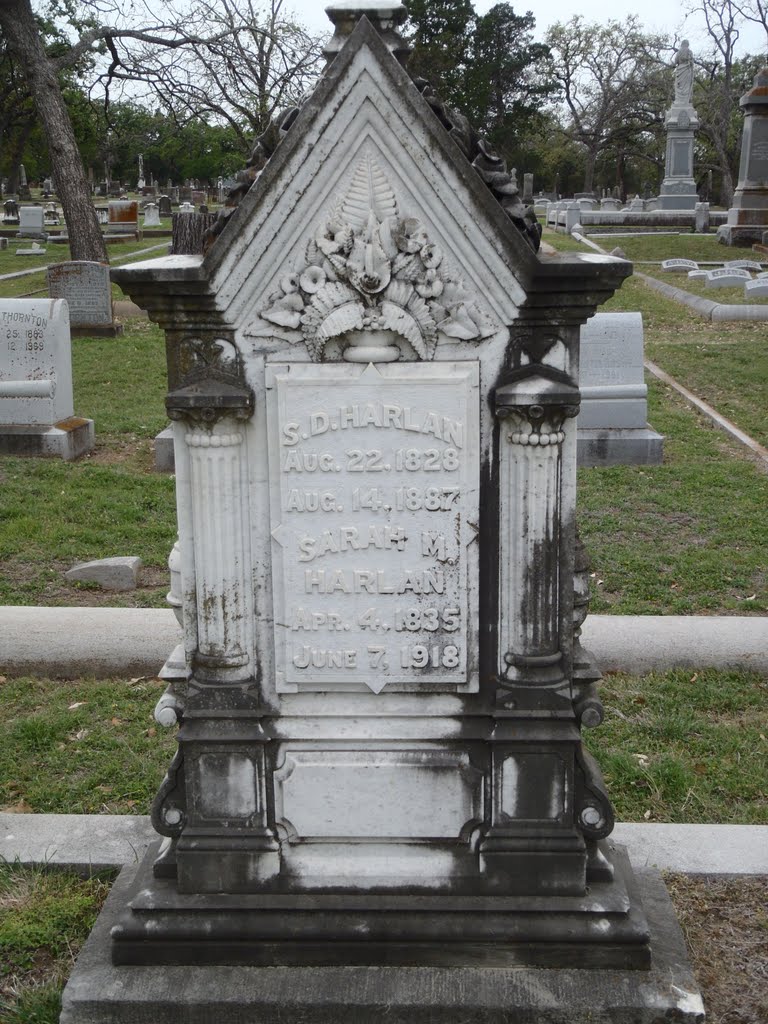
(374, 502)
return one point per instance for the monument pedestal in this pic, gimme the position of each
(678, 190)
(480, 986)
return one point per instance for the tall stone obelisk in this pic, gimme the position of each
(748, 216)
(678, 190)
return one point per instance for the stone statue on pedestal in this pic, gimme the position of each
(683, 75)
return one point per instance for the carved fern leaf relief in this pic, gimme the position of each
(368, 268)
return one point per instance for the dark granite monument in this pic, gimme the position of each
(381, 808)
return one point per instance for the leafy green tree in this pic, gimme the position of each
(613, 78)
(507, 81)
(441, 35)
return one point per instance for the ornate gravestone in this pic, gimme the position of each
(748, 216)
(36, 410)
(678, 189)
(380, 773)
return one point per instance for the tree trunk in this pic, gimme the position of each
(17, 154)
(589, 170)
(23, 39)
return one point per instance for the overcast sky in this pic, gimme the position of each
(656, 15)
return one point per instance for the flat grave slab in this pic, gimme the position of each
(743, 265)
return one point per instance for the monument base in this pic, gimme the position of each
(112, 330)
(677, 202)
(479, 991)
(68, 439)
(619, 447)
(744, 235)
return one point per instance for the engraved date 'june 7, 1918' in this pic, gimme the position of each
(374, 502)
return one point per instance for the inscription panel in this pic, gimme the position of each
(374, 483)
(757, 159)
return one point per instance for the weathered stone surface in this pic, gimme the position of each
(119, 573)
(88, 291)
(99, 993)
(373, 383)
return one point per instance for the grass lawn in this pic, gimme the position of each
(724, 363)
(680, 746)
(54, 513)
(35, 285)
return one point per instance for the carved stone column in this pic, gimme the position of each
(213, 804)
(533, 411)
(215, 469)
(535, 742)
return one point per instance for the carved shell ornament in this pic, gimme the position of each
(370, 276)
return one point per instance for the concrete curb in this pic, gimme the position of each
(93, 842)
(710, 310)
(68, 643)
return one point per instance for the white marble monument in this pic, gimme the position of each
(380, 789)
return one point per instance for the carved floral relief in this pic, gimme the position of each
(368, 269)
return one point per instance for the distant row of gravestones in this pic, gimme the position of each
(121, 216)
(733, 274)
(36, 406)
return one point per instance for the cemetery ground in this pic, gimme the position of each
(686, 537)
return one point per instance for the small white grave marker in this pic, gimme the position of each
(742, 265)
(756, 289)
(678, 266)
(727, 278)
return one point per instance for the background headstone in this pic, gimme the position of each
(31, 222)
(87, 288)
(36, 407)
(748, 215)
(124, 216)
(727, 278)
(151, 216)
(612, 422)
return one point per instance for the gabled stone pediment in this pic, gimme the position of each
(368, 216)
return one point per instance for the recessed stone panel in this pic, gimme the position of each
(534, 787)
(377, 794)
